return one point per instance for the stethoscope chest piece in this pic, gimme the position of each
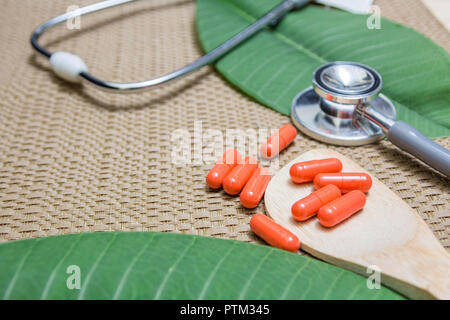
(326, 110)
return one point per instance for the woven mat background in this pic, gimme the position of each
(79, 160)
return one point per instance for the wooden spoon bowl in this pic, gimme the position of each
(387, 234)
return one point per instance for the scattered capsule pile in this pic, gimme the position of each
(236, 175)
(338, 195)
(245, 176)
(330, 183)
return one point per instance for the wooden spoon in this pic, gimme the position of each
(387, 234)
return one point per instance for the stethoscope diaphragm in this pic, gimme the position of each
(326, 111)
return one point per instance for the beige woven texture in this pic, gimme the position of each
(74, 159)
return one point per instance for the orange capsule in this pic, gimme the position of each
(305, 171)
(274, 234)
(254, 189)
(223, 166)
(239, 175)
(346, 181)
(307, 207)
(342, 208)
(278, 141)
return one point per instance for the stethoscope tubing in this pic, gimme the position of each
(403, 135)
(271, 18)
(409, 139)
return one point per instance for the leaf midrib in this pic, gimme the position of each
(278, 34)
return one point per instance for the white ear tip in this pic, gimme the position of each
(67, 66)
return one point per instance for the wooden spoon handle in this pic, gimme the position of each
(424, 264)
(438, 280)
(419, 269)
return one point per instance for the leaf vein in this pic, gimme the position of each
(12, 283)
(171, 270)
(130, 267)
(287, 289)
(213, 273)
(252, 276)
(58, 265)
(99, 258)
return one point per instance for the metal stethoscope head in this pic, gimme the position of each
(345, 107)
(327, 110)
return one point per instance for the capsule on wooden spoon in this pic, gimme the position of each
(342, 208)
(346, 181)
(306, 171)
(308, 206)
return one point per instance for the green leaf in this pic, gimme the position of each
(274, 65)
(148, 265)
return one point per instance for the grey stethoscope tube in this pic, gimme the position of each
(271, 18)
(410, 140)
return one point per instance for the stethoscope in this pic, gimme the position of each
(343, 107)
